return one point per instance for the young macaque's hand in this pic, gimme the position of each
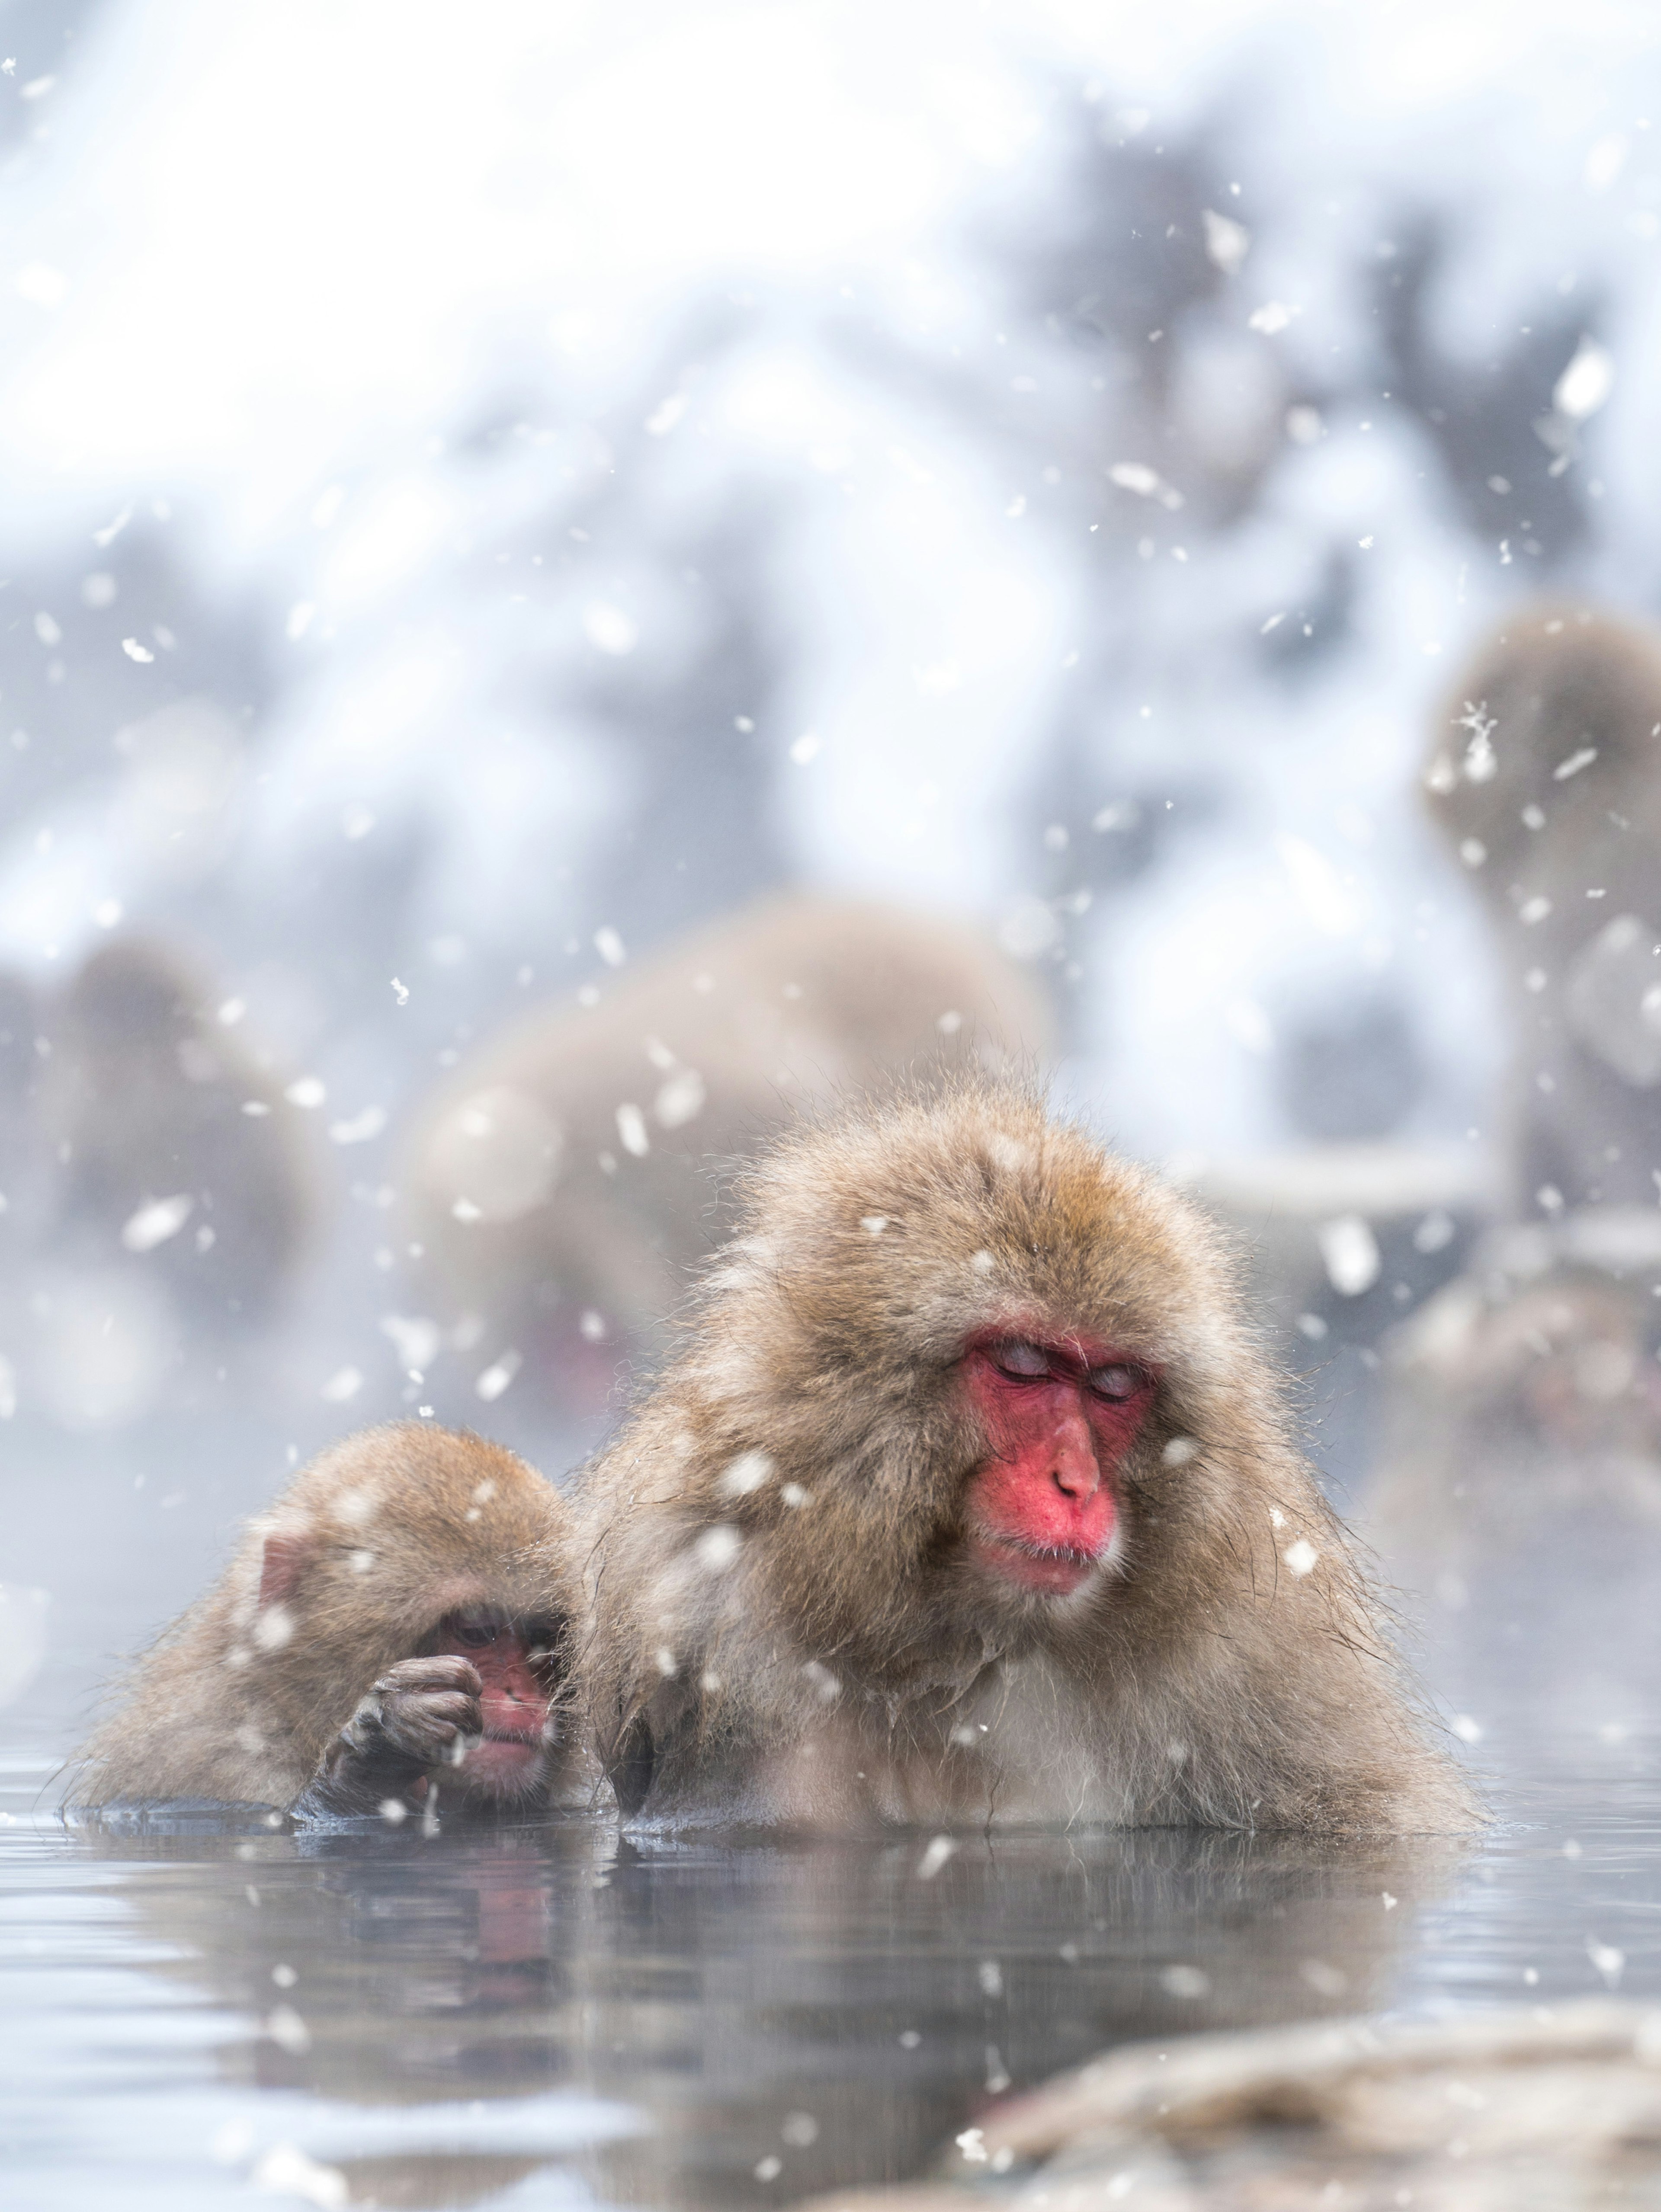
(416, 1711)
(414, 1717)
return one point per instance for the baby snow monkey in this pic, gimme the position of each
(396, 1626)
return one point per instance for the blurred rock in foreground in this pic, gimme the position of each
(1539, 2108)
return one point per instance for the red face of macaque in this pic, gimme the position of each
(1059, 1418)
(515, 1667)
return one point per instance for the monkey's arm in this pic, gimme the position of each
(630, 1766)
(411, 1721)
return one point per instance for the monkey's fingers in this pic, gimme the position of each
(445, 1670)
(425, 1726)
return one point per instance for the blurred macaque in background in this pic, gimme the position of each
(1519, 1493)
(560, 1186)
(164, 1191)
(1519, 1484)
(174, 1136)
(1545, 778)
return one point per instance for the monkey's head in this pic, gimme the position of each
(408, 1541)
(962, 1367)
(1551, 727)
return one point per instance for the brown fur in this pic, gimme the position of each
(236, 1703)
(795, 1001)
(845, 1665)
(1554, 683)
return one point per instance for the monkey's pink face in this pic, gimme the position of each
(510, 1758)
(1059, 1418)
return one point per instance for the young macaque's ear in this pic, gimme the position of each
(285, 1560)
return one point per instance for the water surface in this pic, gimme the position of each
(555, 2016)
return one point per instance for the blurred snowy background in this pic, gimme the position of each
(478, 497)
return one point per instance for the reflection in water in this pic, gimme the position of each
(547, 2015)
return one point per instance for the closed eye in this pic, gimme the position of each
(1025, 1363)
(1116, 1381)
